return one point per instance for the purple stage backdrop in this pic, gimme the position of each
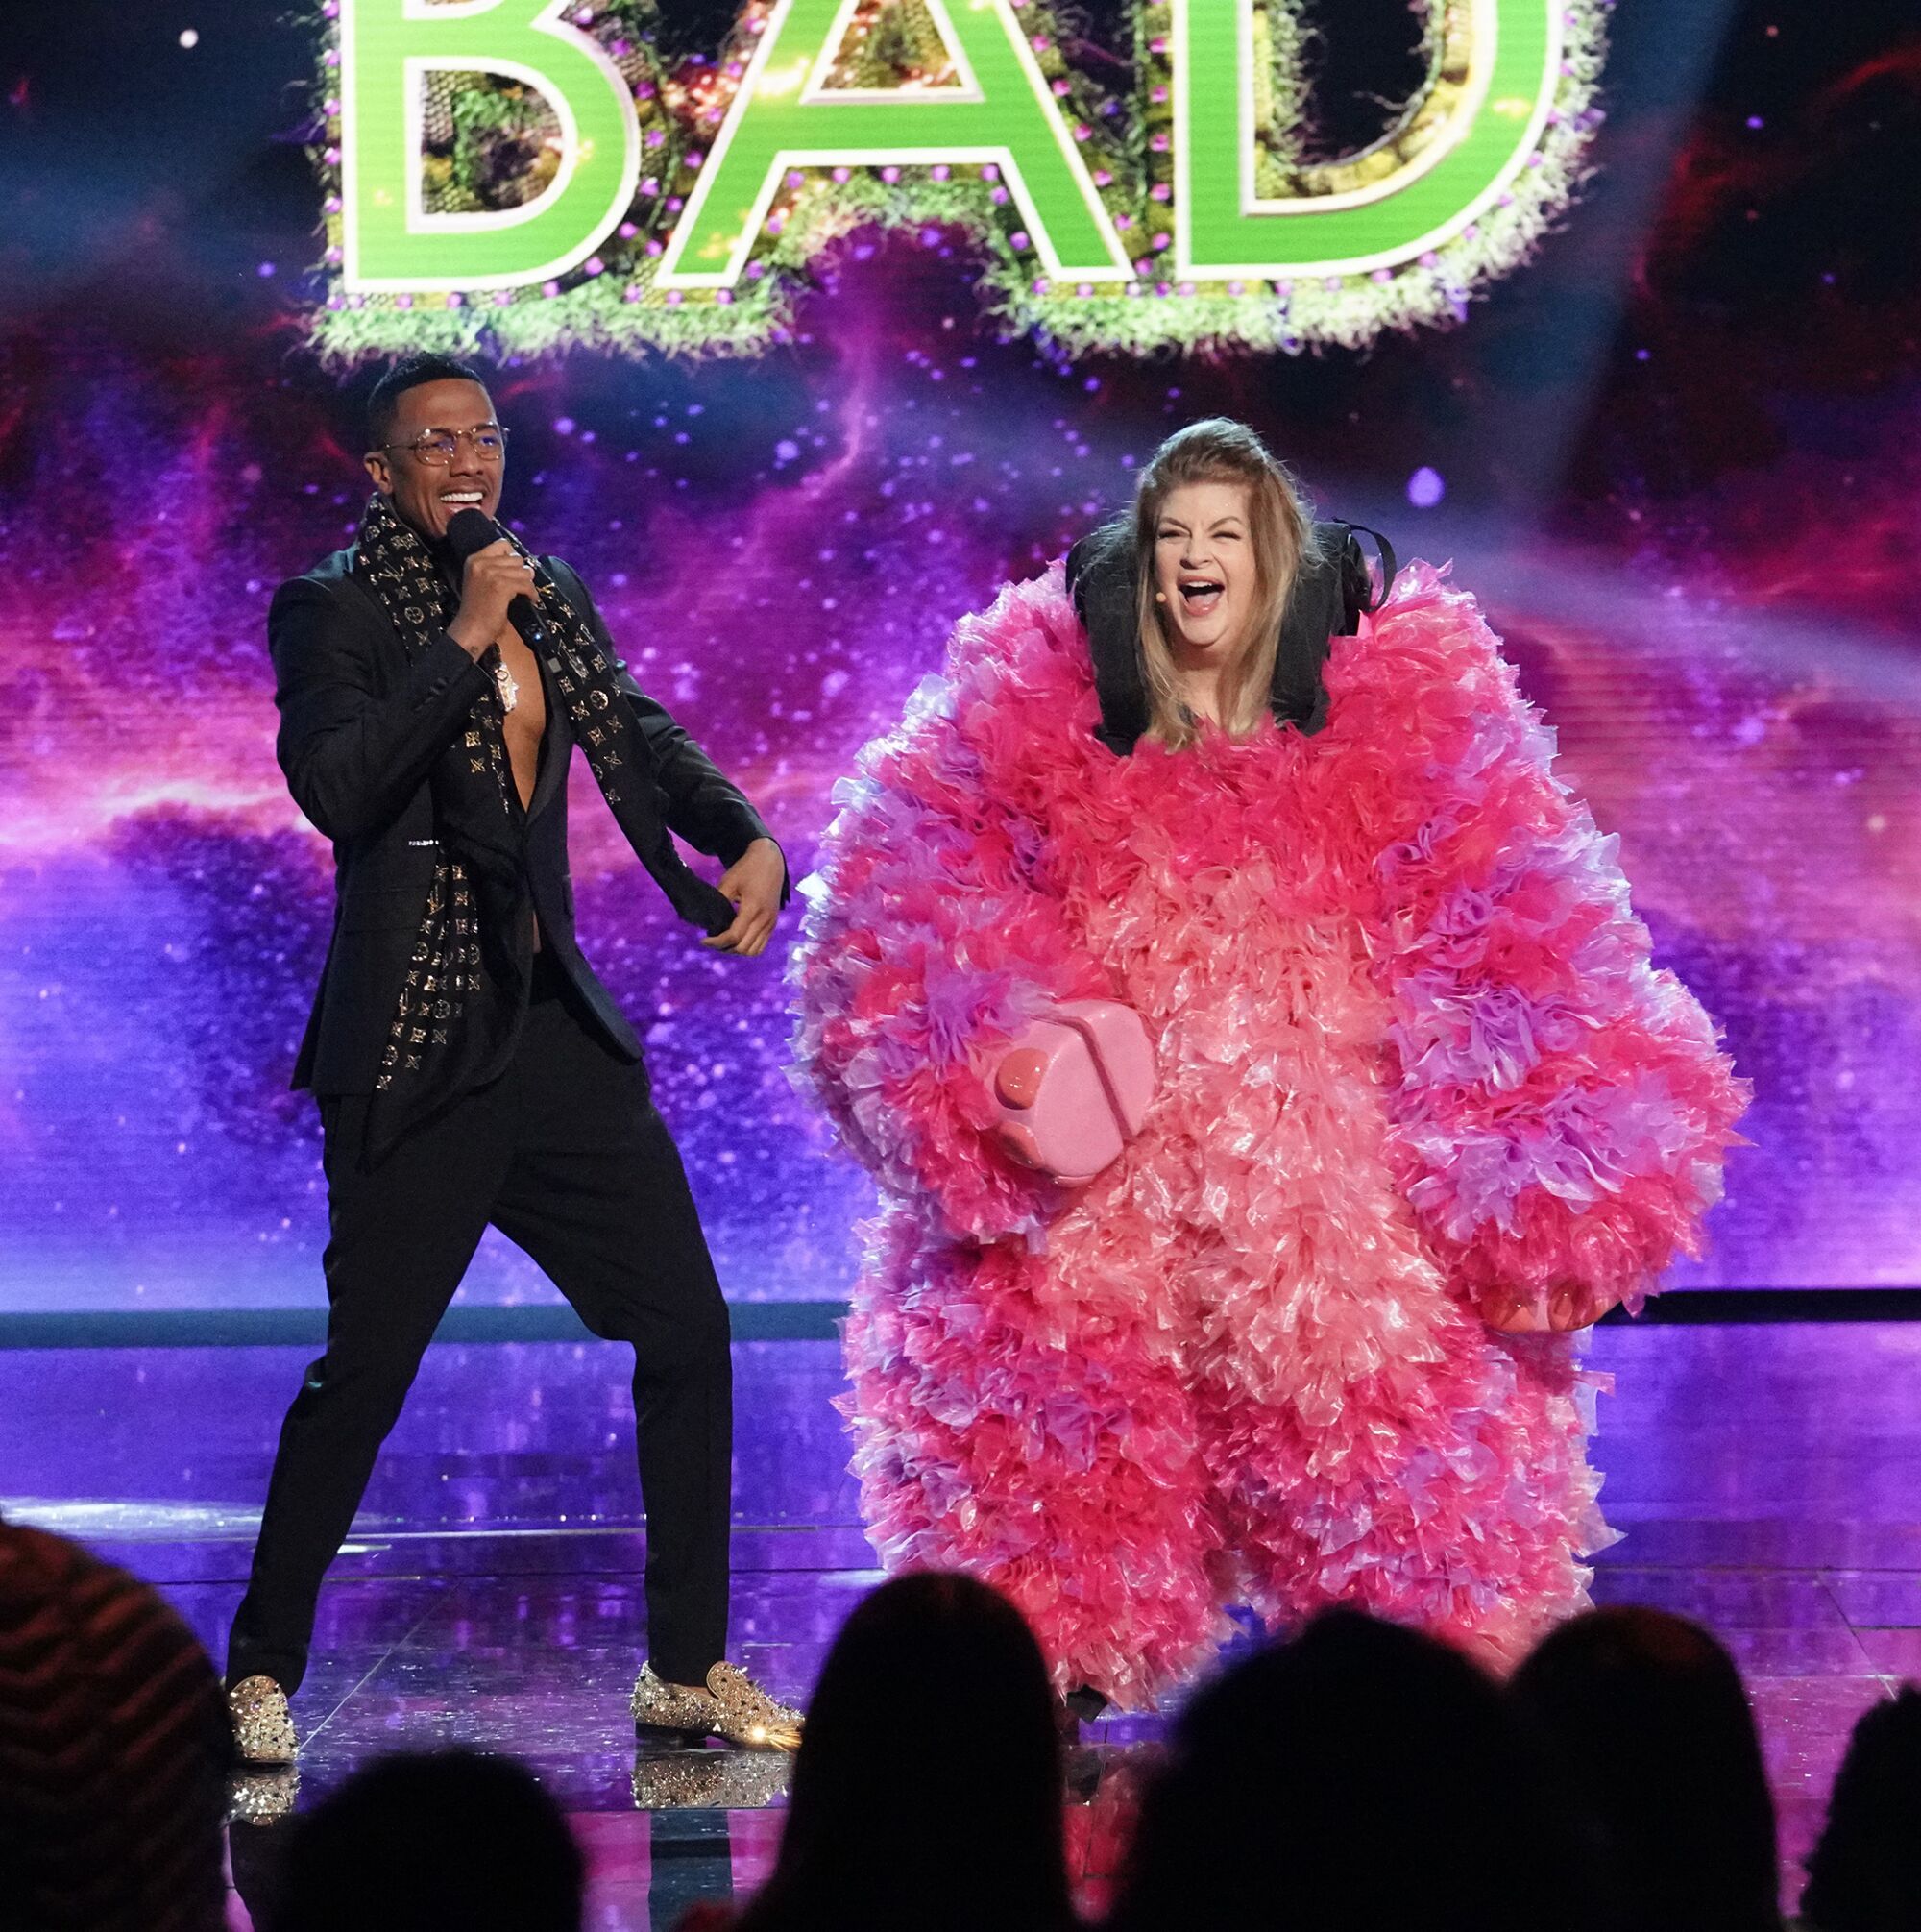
(1677, 458)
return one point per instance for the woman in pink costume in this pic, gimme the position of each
(1422, 1105)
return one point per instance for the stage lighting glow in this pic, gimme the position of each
(1426, 488)
(601, 198)
(1678, 470)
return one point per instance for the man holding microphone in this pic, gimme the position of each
(433, 681)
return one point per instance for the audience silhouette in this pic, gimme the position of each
(1653, 1729)
(928, 1789)
(1360, 1778)
(114, 1750)
(1864, 1875)
(435, 1838)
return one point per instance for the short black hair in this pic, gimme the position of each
(436, 1838)
(410, 373)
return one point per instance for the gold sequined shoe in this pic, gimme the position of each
(264, 1730)
(731, 1706)
(262, 1796)
(711, 1780)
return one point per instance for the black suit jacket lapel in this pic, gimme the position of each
(557, 748)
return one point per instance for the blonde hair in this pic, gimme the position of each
(1220, 450)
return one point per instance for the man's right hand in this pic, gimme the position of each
(490, 580)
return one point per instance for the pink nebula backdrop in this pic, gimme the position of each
(1677, 459)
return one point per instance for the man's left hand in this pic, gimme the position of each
(752, 884)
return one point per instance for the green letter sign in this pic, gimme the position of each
(1484, 111)
(787, 117)
(388, 48)
(530, 176)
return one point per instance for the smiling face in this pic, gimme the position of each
(1204, 568)
(428, 495)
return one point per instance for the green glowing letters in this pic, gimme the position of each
(1180, 216)
(387, 48)
(998, 113)
(1481, 125)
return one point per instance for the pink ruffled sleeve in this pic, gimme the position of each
(1562, 1108)
(930, 942)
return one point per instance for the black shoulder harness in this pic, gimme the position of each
(1331, 590)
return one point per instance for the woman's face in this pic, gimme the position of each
(1203, 565)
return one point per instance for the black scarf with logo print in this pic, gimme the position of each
(467, 978)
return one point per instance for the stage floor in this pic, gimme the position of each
(1765, 1477)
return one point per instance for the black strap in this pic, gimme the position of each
(1365, 596)
(1100, 579)
(1332, 589)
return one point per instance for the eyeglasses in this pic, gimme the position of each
(440, 447)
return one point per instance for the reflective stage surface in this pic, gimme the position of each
(1765, 1477)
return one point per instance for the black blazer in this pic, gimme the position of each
(361, 725)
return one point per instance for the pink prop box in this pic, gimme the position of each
(1074, 1089)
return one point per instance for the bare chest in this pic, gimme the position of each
(526, 722)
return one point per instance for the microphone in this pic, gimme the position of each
(470, 530)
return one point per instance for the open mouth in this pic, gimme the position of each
(463, 499)
(1201, 595)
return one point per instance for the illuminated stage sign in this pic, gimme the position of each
(530, 175)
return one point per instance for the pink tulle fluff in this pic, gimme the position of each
(1411, 1050)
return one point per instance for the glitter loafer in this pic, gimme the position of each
(711, 1780)
(264, 1730)
(732, 1706)
(263, 1795)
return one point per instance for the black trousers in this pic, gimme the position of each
(565, 1155)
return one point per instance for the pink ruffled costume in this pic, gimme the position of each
(1410, 1049)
